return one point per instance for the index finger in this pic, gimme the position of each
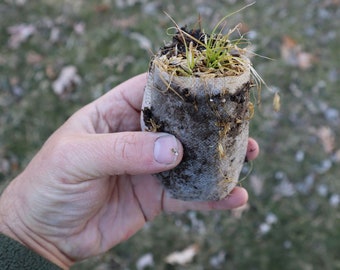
(130, 91)
(119, 109)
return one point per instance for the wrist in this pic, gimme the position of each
(13, 225)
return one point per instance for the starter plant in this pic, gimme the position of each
(198, 89)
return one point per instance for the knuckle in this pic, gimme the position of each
(60, 152)
(125, 146)
(134, 152)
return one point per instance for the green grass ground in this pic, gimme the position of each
(293, 217)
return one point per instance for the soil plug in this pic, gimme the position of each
(198, 89)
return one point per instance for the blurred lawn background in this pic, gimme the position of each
(292, 220)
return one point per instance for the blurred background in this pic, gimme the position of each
(56, 56)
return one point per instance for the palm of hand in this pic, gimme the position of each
(87, 211)
(90, 186)
(105, 213)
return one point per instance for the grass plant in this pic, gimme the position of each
(206, 55)
(215, 54)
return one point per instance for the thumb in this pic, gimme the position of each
(98, 155)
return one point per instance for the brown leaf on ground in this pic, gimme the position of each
(305, 60)
(143, 41)
(33, 58)
(68, 78)
(327, 3)
(184, 256)
(50, 72)
(19, 33)
(101, 8)
(257, 184)
(292, 54)
(326, 137)
(146, 261)
(123, 23)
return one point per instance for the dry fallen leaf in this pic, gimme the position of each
(305, 60)
(50, 72)
(257, 184)
(327, 138)
(79, 28)
(142, 40)
(292, 54)
(182, 257)
(289, 48)
(19, 34)
(124, 23)
(145, 261)
(67, 79)
(33, 58)
(327, 3)
(101, 8)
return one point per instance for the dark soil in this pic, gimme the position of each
(180, 40)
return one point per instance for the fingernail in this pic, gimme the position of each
(166, 149)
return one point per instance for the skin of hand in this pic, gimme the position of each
(91, 187)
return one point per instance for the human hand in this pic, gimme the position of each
(90, 186)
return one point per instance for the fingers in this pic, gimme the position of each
(252, 149)
(132, 90)
(160, 200)
(97, 155)
(120, 108)
(236, 198)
